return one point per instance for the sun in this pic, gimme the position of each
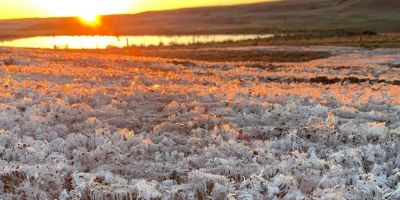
(88, 11)
(90, 19)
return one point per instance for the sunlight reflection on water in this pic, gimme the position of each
(102, 42)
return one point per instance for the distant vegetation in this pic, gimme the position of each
(367, 39)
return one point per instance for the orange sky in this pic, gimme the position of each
(52, 8)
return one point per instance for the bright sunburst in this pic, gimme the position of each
(91, 19)
(87, 10)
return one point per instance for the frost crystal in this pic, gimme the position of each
(84, 126)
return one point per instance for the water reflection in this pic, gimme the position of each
(101, 42)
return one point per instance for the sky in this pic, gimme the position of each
(10, 9)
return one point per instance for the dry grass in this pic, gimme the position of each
(239, 55)
(389, 40)
(214, 55)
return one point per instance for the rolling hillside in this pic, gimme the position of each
(378, 15)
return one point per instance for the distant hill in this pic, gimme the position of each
(377, 15)
(370, 5)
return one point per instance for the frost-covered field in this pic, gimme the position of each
(85, 126)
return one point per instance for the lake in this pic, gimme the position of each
(102, 42)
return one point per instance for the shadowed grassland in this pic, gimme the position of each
(237, 55)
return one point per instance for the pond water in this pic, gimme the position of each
(102, 42)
